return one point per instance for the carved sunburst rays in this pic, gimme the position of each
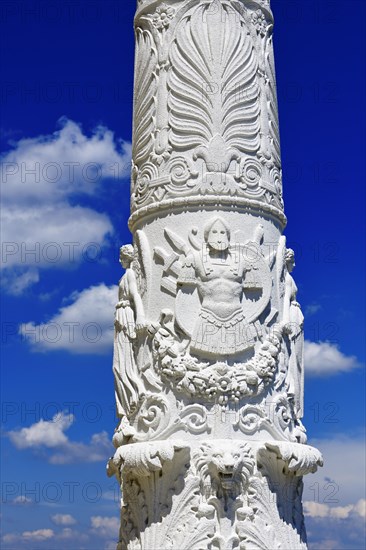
(145, 91)
(213, 90)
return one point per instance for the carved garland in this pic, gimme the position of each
(221, 381)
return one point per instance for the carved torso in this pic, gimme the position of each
(219, 283)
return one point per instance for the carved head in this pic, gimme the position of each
(228, 463)
(217, 234)
(126, 255)
(290, 259)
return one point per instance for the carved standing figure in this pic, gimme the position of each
(218, 271)
(129, 321)
(293, 320)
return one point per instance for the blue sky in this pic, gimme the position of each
(67, 103)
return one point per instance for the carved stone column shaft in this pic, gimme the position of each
(208, 356)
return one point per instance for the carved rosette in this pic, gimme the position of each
(205, 108)
(208, 347)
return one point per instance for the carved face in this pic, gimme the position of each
(228, 462)
(290, 260)
(218, 237)
(126, 255)
(125, 261)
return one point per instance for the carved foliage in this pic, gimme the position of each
(145, 89)
(205, 118)
(233, 382)
(161, 508)
(299, 459)
(213, 96)
(266, 529)
(173, 498)
(155, 420)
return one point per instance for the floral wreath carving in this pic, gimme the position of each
(219, 380)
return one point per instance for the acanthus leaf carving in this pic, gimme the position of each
(299, 458)
(145, 91)
(265, 529)
(141, 459)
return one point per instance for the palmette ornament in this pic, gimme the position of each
(208, 356)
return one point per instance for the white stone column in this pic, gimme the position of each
(208, 356)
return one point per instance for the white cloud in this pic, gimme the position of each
(63, 163)
(71, 535)
(43, 223)
(15, 283)
(38, 535)
(324, 359)
(340, 528)
(312, 309)
(105, 526)
(10, 538)
(22, 500)
(63, 519)
(51, 235)
(50, 435)
(23, 540)
(45, 433)
(98, 449)
(83, 326)
(319, 510)
(341, 481)
(360, 508)
(334, 497)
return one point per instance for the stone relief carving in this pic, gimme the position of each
(145, 90)
(299, 459)
(198, 83)
(208, 331)
(222, 274)
(196, 360)
(276, 417)
(221, 289)
(164, 499)
(129, 322)
(155, 419)
(225, 470)
(230, 284)
(142, 460)
(282, 465)
(222, 381)
(221, 494)
(162, 16)
(213, 119)
(293, 323)
(267, 529)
